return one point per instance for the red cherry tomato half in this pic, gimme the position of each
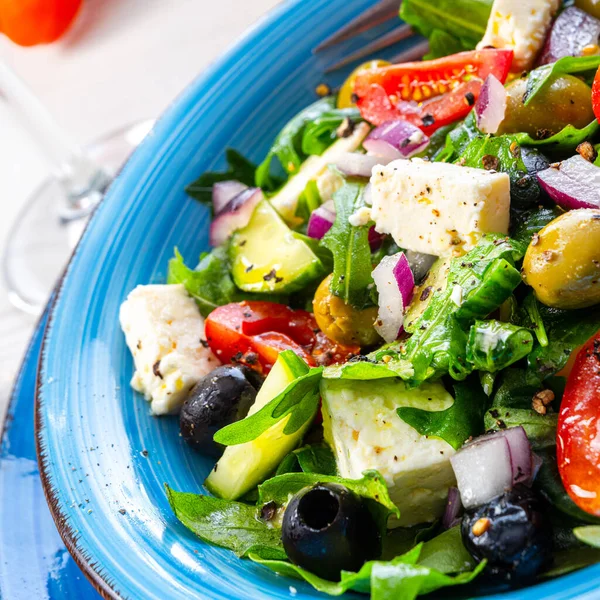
(578, 432)
(596, 95)
(254, 333)
(432, 93)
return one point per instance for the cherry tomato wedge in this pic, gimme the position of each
(31, 22)
(596, 95)
(254, 333)
(430, 93)
(578, 432)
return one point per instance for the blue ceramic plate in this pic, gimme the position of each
(34, 562)
(104, 459)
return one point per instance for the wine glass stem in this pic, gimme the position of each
(80, 177)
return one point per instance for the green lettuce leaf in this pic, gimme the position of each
(563, 142)
(350, 248)
(493, 345)
(287, 147)
(300, 400)
(540, 429)
(568, 65)
(464, 21)
(455, 424)
(320, 133)
(316, 458)
(239, 169)
(232, 525)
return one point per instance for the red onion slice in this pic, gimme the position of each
(396, 139)
(359, 165)
(491, 105)
(454, 509)
(235, 215)
(573, 183)
(573, 30)
(483, 470)
(395, 283)
(520, 453)
(321, 220)
(225, 191)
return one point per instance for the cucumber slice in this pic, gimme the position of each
(267, 256)
(244, 466)
(435, 281)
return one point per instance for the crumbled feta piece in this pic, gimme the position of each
(438, 208)
(457, 295)
(520, 26)
(361, 217)
(365, 432)
(165, 333)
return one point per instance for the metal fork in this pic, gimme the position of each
(382, 12)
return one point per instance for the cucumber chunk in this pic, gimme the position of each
(267, 256)
(244, 466)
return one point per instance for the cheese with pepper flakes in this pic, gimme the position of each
(438, 208)
(165, 333)
(522, 26)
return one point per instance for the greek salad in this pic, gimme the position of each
(392, 349)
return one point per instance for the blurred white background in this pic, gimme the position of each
(123, 61)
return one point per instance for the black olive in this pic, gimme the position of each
(327, 528)
(222, 397)
(513, 533)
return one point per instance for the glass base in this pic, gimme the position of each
(42, 240)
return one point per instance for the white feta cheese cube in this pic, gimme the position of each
(438, 208)
(365, 432)
(165, 333)
(521, 26)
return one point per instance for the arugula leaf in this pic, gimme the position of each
(565, 141)
(514, 390)
(437, 143)
(232, 525)
(531, 222)
(540, 429)
(287, 147)
(350, 248)
(446, 553)
(300, 400)
(402, 578)
(532, 318)
(239, 169)
(455, 424)
(316, 458)
(210, 284)
(567, 65)
(322, 131)
(524, 189)
(485, 277)
(549, 483)
(458, 138)
(566, 330)
(288, 465)
(372, 487)
(464, 20)
(589, 535)
(368, 369)
(493, 345)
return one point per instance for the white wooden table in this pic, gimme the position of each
(124, 60)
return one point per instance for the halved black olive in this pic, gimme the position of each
(327, 528)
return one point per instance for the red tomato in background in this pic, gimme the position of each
(254, 333)
(31, 22)
(432, 93)
(578, 432)
(596, 95)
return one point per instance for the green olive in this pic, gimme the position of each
(341, 322)
(591, 7)
(566, 100)
(344, 99)
(562, 262)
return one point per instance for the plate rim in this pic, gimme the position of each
(92, 571)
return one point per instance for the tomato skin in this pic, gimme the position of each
(31, 22)
(436, 88)
(596, 95)
(254, 333)
(578, 432)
